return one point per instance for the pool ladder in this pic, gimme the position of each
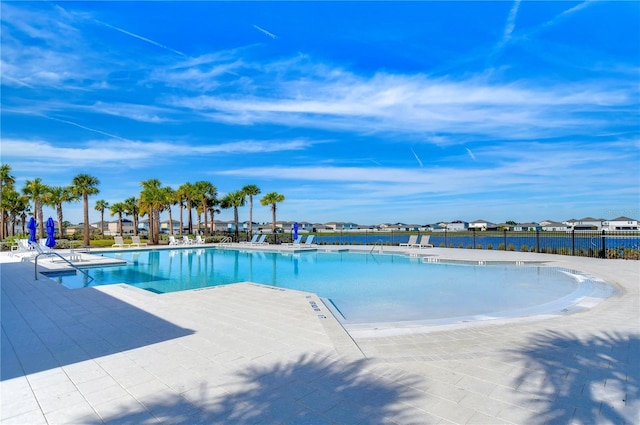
(379, 241)
(40, 252)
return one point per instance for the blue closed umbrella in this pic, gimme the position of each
(51, 230)
(295, 231)
(32, 230)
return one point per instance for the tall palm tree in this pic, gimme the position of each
(101, 205)
(206, 193)
(213, 211)
(132, 209)
(234, 200)
(180, 198)
(272, 198)
(85, 185)
(251, 190)
(36, 190)
(169, 199)
(6, 180)
(187, 192)
(14, 205)
(55, 197)
(152, 200)
(118, 208)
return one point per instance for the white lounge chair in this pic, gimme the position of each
(296, 242)
(186, 240)
(260, 241)
(119, 242)
(309, 241)
(173, 241)
(23, 250)
(135, 241)
(254, 239)
(424, 242)
(199, 240)
(413, 239)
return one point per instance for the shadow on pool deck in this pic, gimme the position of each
(46, 326)
(308, 390)
(601, 372)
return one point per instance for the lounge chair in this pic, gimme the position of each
(309, 241)
(296, 242)
(260, 241)
(186, 240)
(173, 241)
(413, 239)
(424, 242)
(119, 242)
(199, 240)
(23, 249)
(254, 239)
(135, 241)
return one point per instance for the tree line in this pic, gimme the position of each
(153, 199)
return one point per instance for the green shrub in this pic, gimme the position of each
(524, 248)
(490, 246)
(511, 247)
(501, 247)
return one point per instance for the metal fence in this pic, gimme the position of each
(602, 244)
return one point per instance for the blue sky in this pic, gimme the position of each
(412, 112)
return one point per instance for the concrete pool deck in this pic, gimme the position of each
(252, 354)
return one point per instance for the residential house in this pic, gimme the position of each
(457, 226)
(587, 223)
(553, 226)
(338, 226)
(621, 224)
(112, 227)
(170, 228)
(482, 225)
(526, 227)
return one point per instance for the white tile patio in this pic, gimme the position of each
(250, 354)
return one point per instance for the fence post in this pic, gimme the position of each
(474, 238)
(538, 240)
(445, 238)
(505, 239)
(573, 242)
(602, 251)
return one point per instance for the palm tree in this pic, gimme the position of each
(85, 185)
(36, 190)
(14, 205)
(272, 198)
(180, 198)
(55, 197)
(236, 200)
(118, 208)
(152, 200)
(213, 211)
(170, 199)
(132, 209)
(251, 190)
(206, 193)
(6, 180)
(101, 205)
(187, 192)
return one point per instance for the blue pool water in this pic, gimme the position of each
(363, 288)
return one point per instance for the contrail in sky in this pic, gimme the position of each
(511, 22)
(264, 31)
(139, 37)
(417, 158)
(87, 128)
(471, 154)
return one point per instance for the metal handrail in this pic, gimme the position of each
(379, 241)
(41, 252)
(226, 240)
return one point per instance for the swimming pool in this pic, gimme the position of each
(360, 287)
